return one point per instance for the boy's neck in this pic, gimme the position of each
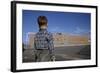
(42, 29)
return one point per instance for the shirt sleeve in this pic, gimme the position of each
(35, 43)
(50, 43)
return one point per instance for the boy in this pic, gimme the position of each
(43, 42)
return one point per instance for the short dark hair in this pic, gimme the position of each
(42, 20)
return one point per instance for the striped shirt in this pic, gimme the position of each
(43, 40)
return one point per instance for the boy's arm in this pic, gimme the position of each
(51, 44)
(35, 49)
(34, 43)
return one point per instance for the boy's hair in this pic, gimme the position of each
(42, 20)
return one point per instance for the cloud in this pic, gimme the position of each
(79, 30)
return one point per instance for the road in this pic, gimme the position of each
(63, 53)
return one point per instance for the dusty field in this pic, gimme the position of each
(63, 53)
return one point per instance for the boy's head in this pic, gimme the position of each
(42, 21)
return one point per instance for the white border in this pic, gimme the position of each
(21, 65)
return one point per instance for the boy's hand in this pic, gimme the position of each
(53, 58)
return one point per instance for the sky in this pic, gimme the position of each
(63, 22)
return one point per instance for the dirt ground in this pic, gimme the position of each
(64, 53)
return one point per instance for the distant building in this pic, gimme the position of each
(61, 39)
(31, 39)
